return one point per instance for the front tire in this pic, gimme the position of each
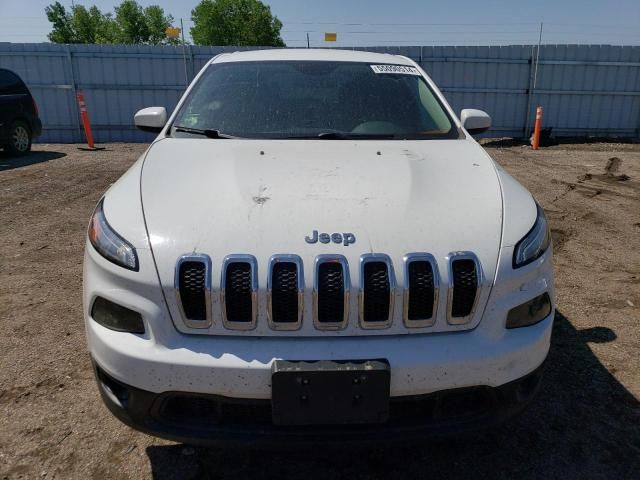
(19, 139)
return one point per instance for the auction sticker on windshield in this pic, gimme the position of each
(395, 69)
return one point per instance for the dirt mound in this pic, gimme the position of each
(612, 167)
(613, 164)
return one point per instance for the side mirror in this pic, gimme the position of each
(151, 119)
(475, 121)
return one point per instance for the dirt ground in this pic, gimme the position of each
(584, 424)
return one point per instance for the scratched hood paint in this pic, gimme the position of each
(265, 196)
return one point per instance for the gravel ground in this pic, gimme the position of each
(584, 424)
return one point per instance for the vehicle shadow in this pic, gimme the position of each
(8, 162)
(583, 424)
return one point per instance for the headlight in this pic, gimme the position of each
(534, 243)
(109, 244)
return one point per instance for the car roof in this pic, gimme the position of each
(318, 54)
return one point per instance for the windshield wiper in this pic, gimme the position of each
(336, 135)
(208, 132)
(352, 136)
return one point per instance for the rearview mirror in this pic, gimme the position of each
(151, 119)
(475, 121)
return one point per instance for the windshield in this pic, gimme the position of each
(306, 99)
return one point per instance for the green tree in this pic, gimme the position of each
(131, 24)
(62, 30)
(235, 22)
(157, 24)
(91, 26)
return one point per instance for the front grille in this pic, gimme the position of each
(285, 293)
(238, 290)
(238, 293)
(192, 290)
(376, 289)
(193, 284)
(285, 290)
(465, 286)
(421, 290)
(331, 295)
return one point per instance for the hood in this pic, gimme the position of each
(265, 196)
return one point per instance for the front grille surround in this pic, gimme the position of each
(205, 260)
(451, 258)
(297, 261)
(253, 265)
(407, 260)
(391, 281)
(346, 287)
(425, 282)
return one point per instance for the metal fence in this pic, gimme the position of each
(585, 89)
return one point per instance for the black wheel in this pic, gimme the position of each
(19, 139)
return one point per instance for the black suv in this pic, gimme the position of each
(19, 121)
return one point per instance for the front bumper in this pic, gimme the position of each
(215, 420)
(240, 367)
(209, 374)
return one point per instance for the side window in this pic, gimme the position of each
(10, 83)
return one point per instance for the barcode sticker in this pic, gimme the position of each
(402, 69)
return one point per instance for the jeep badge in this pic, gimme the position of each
(345, 238)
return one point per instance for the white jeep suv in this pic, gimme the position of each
(314, 247)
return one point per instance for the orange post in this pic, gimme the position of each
(536, 129)
(85, 120)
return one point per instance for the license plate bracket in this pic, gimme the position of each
(330, 392)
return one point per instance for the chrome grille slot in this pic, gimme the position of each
(464, 282)
(285, 289)
(238, 292)
(464, 287)
(421, 289)
(193, 289)
(284, 296)
(331, 294)
(377, 285)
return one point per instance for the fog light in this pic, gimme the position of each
(530, 312)
(116, 317)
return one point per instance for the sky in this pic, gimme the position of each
(399, 22)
